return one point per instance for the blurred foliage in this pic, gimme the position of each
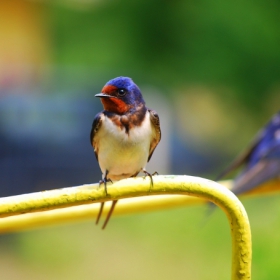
(218, 62)
(171, 44)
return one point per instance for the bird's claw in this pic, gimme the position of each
(105, 181)
(151, 177)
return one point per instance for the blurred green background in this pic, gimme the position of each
(210, 68)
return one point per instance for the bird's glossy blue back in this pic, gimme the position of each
(269, 143)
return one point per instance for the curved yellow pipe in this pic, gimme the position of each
(135, 187)
(89, 211)
(58, 215)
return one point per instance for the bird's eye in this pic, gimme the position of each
(122, 92)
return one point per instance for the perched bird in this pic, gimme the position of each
(261, 160)
(124, 135)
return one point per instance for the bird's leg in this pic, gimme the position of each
(103, 181)
(150, 175)
(114, 202)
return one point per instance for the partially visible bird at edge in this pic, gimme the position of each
(260, 161)
(124, 135)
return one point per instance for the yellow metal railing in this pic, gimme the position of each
(176, 186)
(58, 215)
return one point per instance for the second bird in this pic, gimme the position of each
(124, 135)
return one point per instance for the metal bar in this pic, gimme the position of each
(133, 205)
(89, 211)
(135, 187)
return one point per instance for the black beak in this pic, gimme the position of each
(104, 95)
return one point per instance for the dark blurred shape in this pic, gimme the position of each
(261, 159)
(44, 143)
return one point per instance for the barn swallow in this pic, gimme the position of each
(124, 135)
(261, 160)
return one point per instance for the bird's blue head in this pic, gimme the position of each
(121, 95)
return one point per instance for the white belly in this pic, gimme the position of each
(122, 154)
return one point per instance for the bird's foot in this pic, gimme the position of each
(105, 181)
(151, 177)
